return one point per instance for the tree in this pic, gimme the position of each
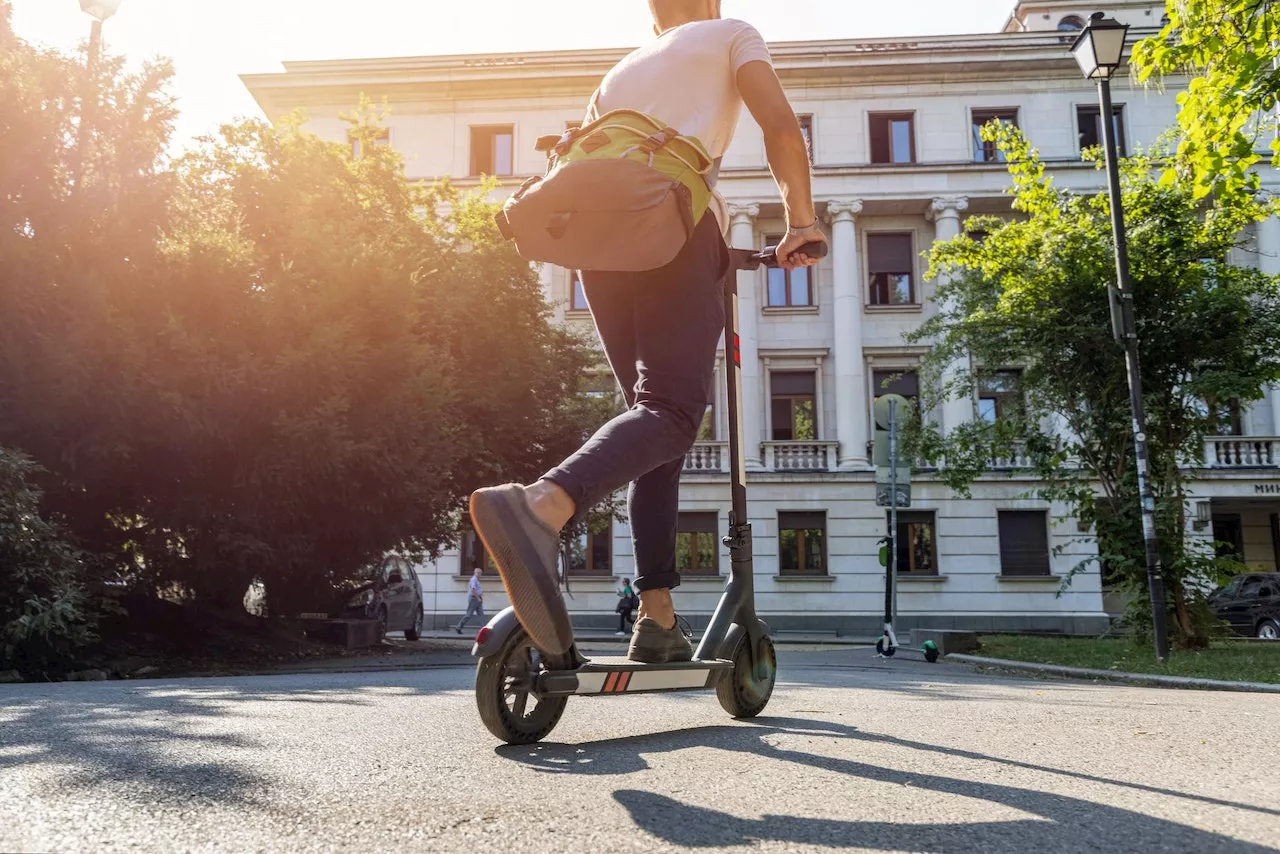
(1232, 50)
(46, 609)
(274, 359)
(1033, 295)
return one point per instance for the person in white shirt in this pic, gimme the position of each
(660, 330)
(475, 600)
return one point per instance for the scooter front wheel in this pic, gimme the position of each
(504, 692)
(744, 691)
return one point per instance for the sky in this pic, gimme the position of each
(213, 41)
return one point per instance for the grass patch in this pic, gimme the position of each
(1238, 661)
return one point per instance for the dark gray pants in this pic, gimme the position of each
(660, 330)
(475, 608)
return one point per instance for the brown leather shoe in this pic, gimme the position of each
(653, 644)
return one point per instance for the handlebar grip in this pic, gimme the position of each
(816, 250)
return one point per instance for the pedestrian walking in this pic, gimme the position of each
(628, 601)
(475, 601)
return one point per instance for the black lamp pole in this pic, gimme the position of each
(1101, 67)
(99, 11)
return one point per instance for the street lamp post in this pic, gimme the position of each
(1099, 50)
(99, 10)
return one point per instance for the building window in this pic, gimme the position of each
(999, 396)
(577, 294)
(984, 151)
(891, 263)
(802, 543)
(380, 140)
(806, 128)
(591, 551)
(1024, 542)
(492, 150)
(893, 138)
(1228, 538)
(696, 538)
(902, 382)
(1226, 419)
(474, 554)
(788, 288)
(1089, 124)
(1071, 24)
(793, 396)
(917, 543)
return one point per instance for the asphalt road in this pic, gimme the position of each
(850, 754)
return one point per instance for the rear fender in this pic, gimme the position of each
(499, 629)
(736, 635)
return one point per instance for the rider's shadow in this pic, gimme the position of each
(1055, 823)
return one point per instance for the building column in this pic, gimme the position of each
(742, 235)
(546, 280)
(945, 212)
(851, 380)
(1268, 246)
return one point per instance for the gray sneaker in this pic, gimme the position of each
(652, 644)
(525, 551)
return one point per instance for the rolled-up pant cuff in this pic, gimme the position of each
(656, 581)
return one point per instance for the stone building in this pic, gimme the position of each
(897, 164)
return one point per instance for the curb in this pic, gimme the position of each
(1117, 676)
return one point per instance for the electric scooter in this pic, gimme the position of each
(521, 692)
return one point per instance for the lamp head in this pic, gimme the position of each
(1099, 48)
(100, 9)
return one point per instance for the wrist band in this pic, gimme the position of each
(805, 228)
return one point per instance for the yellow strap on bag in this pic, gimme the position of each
(622, 193)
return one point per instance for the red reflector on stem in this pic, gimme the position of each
(482, 635)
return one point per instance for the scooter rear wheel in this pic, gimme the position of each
(743, 692)
(504, 692)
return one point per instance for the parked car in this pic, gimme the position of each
(1250, 604)
(391, 594)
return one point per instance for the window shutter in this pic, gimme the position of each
(1024, 542)
(698, 523)
(889, 253)
(793, 382)
(802, 521)
(907, 384)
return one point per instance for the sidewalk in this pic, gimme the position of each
(598, 636)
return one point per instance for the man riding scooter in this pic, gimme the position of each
(659, 327)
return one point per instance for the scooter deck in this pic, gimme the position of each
(618, 675)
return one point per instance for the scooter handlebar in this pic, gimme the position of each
(769, 257)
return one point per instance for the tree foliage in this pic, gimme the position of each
(46, 608)
(1032, 295)
(1231, 49)
(271, 359)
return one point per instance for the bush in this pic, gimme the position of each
(45, 608)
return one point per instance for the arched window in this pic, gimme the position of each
(1071, 23)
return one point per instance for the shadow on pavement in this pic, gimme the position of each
(138, 739)
(1064, 823)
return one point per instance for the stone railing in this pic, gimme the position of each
(1242, 452)
(1016, 459)
(800, 456)
(707, 458)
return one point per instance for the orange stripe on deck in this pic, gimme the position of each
(609, 681)
(624, 681)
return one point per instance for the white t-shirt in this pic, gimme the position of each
(687, 78)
